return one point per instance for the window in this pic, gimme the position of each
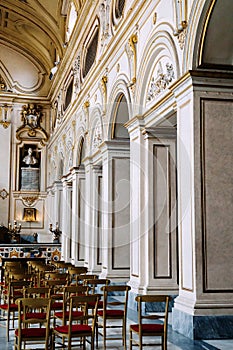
(91, 53)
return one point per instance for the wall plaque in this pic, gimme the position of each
(30, 179)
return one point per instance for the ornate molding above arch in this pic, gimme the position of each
(31, 128)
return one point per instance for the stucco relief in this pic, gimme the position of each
(160, 80)
(97, 137)
(104, 12)
(77, 74)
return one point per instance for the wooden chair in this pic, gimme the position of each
(156, 328)
(94, 285)
(37, 292)
(10, 307)
(69, 292)
(80, 279)
(82, 329)
(28, 308)
(56, 294)
(74, 273)
(113, 310)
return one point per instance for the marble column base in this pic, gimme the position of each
(202, 327)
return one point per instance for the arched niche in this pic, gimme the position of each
(120, 116)
(81, 150)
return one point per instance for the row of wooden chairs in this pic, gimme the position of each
(101, 310)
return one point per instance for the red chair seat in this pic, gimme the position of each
(57, 305)
(111, 313)
(100, 305)
(17, 293)
(12, 307)
(77, 328)
(32, 332)
(39, 315)
(148, 328)
(74, 313)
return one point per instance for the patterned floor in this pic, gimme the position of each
(175, 342)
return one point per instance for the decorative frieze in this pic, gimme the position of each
(161, 81)
(97, 138)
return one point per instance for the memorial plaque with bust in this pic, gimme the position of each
(30, 172)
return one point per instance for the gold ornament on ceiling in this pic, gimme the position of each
(2, 84)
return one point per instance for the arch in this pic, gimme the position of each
(120, 117)
(211, 21)
(120, 91)
(80, 150)
(159, 50)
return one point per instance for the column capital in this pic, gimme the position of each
(160, 132)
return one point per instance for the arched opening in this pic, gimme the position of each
(120, 117)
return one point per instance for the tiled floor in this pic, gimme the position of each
(175, 342)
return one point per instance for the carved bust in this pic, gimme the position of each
(29, 159)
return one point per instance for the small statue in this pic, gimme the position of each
(56, 233)
(30, 159)
(35, 236)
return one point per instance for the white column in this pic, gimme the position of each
(66, 219)
(78, 216)
(153, 211)
(57, 205)
(116, 210)
(138, 239)
(93, 211)
(203, 309)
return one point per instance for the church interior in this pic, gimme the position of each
(116, 119)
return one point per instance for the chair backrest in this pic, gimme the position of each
(14, 287)
(36, 292)
(51, 275)
(69, 291)
(83, 277)
(77, 269)
(93, 283)
(109, 291)
(27, 317)
(19, 276)
(83, 302)
(161, 315)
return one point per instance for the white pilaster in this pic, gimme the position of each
(116, 210)
(203, 308)
(66, 219)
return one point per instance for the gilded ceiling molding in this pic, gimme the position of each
(2, 84)
(31, 118)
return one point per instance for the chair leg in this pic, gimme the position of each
(104, 333)
(140, 343)
(130, 340)
(96, 335)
